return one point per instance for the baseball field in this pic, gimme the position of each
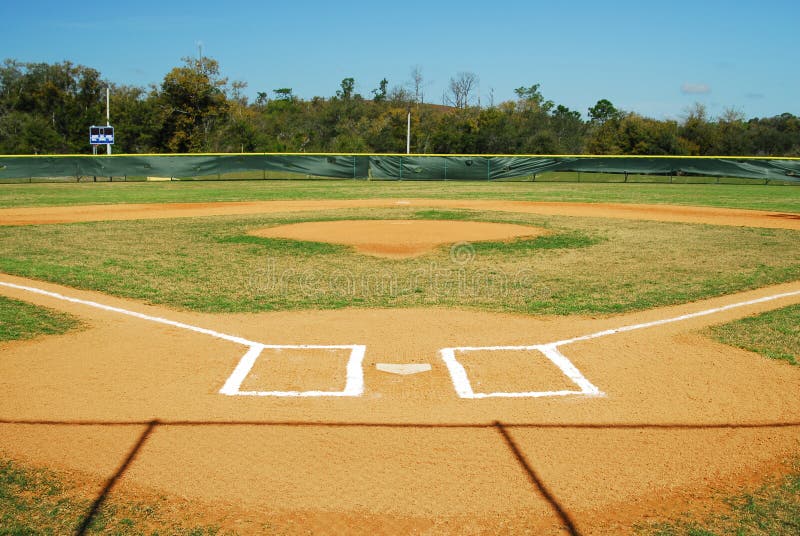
(324, 357)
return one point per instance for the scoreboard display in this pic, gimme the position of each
(101, 135)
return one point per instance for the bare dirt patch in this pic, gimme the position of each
(672, 213)
(680, 416)
(398, 238)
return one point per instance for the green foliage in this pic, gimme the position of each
(193, 100)
(60, 100)
(603, 111)
(637, 135)
(47, 108)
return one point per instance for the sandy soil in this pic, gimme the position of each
(715, 216)
(682, 417)
(398, 238)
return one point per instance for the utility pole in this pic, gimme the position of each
(108, 116)
(408, 132)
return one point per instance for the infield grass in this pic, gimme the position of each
(586, 266)
(774, 334)
(20, 320)
(40, 501)
(774, 198)
(771, 510)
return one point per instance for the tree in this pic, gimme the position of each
(348, 86)
(192, 100)
(530, 98)
(136, 119)
(68, 97)
(603, 111)
(698, 131)
(569, 130)
(283, 94)
(732, 139)
(379, 94)
(416, 84)
(461, 89)
(633, 134)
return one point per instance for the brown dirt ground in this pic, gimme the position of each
(398, 238)
(715, 216)
(683, 418)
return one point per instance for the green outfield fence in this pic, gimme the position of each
(400, 167)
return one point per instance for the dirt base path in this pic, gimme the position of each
(673, 417)
(715, 216)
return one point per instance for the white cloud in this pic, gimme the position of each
(695, 89)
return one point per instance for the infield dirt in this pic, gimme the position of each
(398, 238)
(680, 418)
(673, 213)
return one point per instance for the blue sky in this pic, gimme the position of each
(655, 59)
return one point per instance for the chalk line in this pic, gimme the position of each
(463, 386)
(354, 383)
(159, 320)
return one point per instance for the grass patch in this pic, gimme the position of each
(778, 198)
(39, 501)
(560, 240)
(774, 334)
(280, 246)
(586, 266)
(20, 320)
(772, 509)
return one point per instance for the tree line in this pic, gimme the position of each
(47, 109)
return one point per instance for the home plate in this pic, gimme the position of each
(404, 369)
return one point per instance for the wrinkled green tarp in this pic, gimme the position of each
(391, 167)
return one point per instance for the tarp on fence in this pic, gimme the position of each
(392, 167)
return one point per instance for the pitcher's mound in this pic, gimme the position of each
(398, 238)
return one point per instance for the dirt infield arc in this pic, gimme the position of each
(409, 453)
(669, 213)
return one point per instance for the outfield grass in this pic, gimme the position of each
(586, 266)
(776, 198)
(19, 320)
(775, 334)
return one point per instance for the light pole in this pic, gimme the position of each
(108, 116)
(408, 132)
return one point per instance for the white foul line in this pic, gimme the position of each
(354, 384)
(677, 318)
(181, 325)
(463, 386)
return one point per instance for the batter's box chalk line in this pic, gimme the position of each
(354, 384)
(462, 385)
